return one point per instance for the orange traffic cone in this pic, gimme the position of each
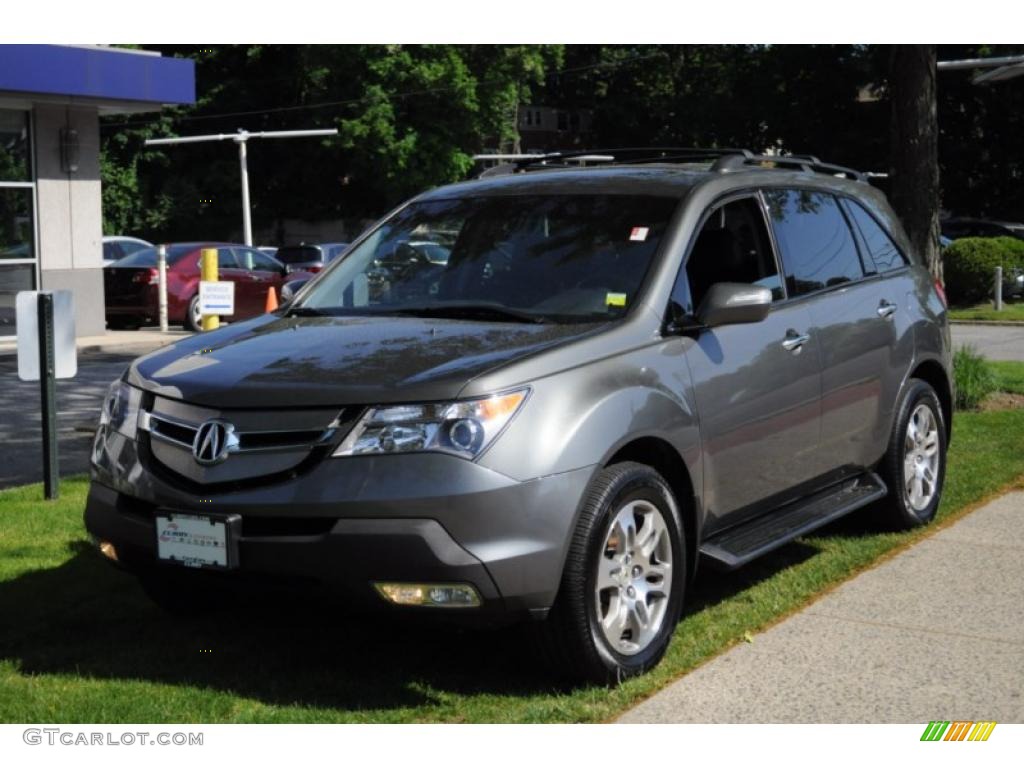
(271, 300)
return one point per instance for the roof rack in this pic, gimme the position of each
(724, 160)
(808, 163)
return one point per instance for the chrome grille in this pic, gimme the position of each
(183, 434)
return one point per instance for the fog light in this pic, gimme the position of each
(108, 550)
(429, 595)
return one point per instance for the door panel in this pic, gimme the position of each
(757, 385)
(856, 350)
(759, 406)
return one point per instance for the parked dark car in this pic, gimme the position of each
(130, 284)
(618, 371)
(957, 228)
(309, 258)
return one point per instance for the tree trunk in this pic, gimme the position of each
(915, 156)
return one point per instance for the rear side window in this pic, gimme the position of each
(883, 250)
(146, 257)
(816, 244)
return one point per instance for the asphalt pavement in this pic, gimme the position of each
(996, 342)
(101, 359)
(934, 633)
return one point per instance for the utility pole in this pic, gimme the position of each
(241, 139)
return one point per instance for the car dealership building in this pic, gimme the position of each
(51, 218)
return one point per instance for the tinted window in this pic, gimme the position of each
(296, 254)
(131, 246)
(112, 252)
(883, 250)
(817, 247)
(253, 260)
(732, 247)
(562, 258)
(226, 259)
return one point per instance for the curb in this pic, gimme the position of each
(997, 323)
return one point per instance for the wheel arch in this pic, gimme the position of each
(660, 455)
(932, 372)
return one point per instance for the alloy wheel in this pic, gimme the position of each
(921, 458)
(634, 577)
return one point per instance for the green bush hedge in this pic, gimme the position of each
(969, 266)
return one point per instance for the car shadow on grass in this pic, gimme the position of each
(89, 619)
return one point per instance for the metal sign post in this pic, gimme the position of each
(241, 138)
(48, 392)
(46, 352)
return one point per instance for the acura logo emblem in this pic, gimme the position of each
(214, 441)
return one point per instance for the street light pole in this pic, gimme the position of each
(246, 211)
(241, 138)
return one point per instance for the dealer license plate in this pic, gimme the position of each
(197, 541)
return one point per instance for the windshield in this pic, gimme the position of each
(560, 258)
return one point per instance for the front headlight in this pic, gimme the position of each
(464, 428)
(120, 412)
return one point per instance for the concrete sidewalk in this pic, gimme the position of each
(935, 633)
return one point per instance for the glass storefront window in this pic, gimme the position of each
(15, 162)
(13, 278)
(17, 214)
(16, 228)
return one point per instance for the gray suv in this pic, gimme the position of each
(620, 370)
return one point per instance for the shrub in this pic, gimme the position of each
(973, 377)
(969, 266)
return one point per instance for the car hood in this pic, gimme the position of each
(293, 362)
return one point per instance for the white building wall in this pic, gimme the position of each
(69, 211)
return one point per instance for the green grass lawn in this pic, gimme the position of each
(1012, 312)
(1009, 375)
(80, 643)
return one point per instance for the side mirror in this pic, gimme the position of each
(733, 303)
(290, 289)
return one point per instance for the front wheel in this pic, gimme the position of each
(914, 465)
(622, 588)
(193, 317)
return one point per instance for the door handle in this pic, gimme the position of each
(794, 341)
(886, 309)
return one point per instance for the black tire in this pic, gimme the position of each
(570, 637)
(189, 322)
(124, 323)
(900, 511)
(182, 592)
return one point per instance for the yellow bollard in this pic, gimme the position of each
(209, 273)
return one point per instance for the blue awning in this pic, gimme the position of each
(103, 74)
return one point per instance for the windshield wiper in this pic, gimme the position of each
(473, 312)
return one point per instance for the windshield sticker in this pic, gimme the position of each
(639, 234)
(615, 299)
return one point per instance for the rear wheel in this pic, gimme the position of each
(193, 317)
(915, 464)
(622, 589)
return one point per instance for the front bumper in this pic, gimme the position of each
(347, 523)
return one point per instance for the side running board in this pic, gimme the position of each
(739, 545)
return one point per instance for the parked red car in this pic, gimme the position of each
(131, 284)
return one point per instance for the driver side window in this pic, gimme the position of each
(732, 247)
